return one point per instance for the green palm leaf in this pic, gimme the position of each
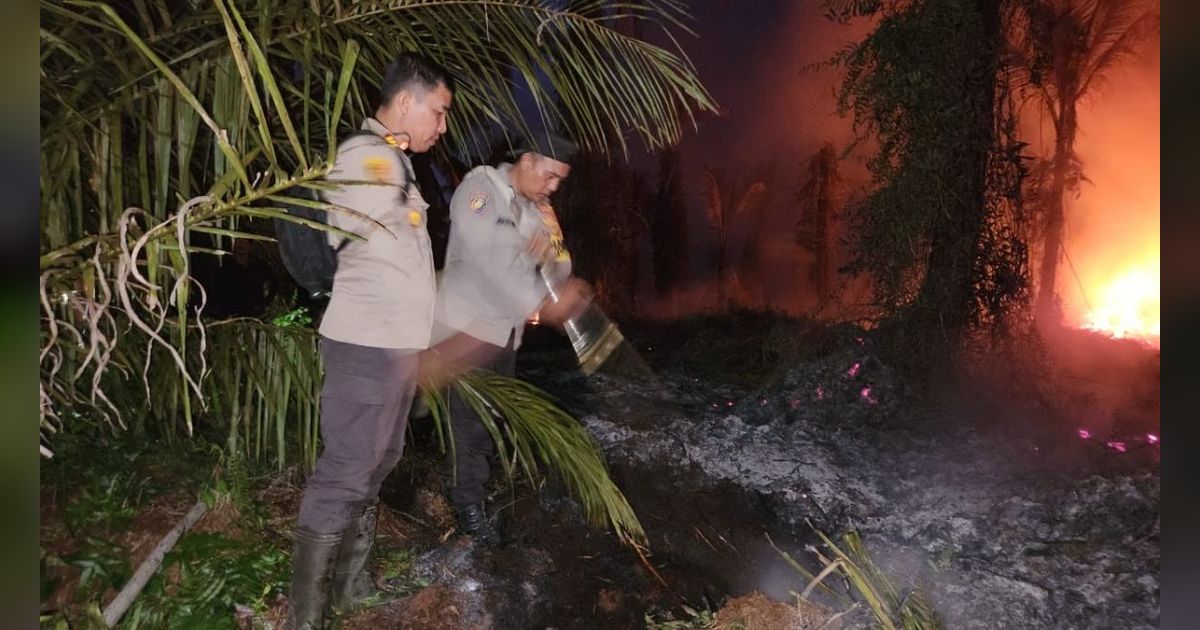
(533, 432)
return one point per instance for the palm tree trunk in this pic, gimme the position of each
(945, 297)
(1047, 308)
(722, 281)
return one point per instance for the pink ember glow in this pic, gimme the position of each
(866, 395)
(1151, 438)
(853, 371)
(1116, 446)
(1085, 434)
(820, 393)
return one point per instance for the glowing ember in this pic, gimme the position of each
(866, 395)
(1116, 446)
(853, 371)
(1085, 434)
(728, 403)
(1151, 438)
(820, 393)
(1129, 306)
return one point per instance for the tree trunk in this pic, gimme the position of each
(947, 290)
(1047, 306)
(722, 281)
(670, 236)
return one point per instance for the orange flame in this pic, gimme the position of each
(1130, 305)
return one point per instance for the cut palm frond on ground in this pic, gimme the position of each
(532, 431)
(890, 608)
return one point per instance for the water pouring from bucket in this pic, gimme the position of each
(596, 340)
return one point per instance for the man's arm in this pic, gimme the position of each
(505, 273)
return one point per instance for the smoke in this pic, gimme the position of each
(762, 62)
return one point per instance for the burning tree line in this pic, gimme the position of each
(958, 219)
(947, 227)
(225, 110)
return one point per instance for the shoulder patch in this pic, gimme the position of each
(478, 203)
(378, 168)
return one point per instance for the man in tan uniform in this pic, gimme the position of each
(377, 322)
(503, 236)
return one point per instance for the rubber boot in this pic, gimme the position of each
(473, 520)
(313, 558)
(352, 581)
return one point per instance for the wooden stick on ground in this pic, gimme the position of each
(121, 603)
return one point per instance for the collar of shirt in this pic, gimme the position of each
(375, 126)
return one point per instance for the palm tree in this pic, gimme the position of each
(818, 198)
(726, 198)
(170, 129)
(1062, 49)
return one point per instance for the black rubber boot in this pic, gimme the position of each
(352, 581)
(473, 520)
(313, 558)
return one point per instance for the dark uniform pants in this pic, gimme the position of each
(473, 444)
(364, 413)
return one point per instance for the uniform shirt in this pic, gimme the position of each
(490, 285)
(384, 289)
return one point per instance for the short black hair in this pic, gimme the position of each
(551, 145)
(410, 70)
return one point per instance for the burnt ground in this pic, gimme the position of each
(724, 431)
(984, 492)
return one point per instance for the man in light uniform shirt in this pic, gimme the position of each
(503, 231)
(378, 319)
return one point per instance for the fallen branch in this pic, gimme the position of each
(121, 603)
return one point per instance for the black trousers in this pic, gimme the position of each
(473, 445)
(365, 402)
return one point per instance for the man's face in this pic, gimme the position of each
(541, 176)
(423, 113)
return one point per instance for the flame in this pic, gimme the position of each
(1129, 306)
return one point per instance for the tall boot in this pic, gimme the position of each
(473, 520)
(312, 572)
(352, 580)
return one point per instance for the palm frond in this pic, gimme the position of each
(166, 126)
(713, 204)
(534, 433)
(891, 609)
(751, 199)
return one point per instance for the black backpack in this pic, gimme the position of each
(305, 250)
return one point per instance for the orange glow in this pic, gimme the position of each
(1129, 305)
(1110, 283)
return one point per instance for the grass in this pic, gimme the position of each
(889, 608)
(109, 492)
(205, 578)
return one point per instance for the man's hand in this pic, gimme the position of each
(432, 371)
(438, 365)
(573, 297)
